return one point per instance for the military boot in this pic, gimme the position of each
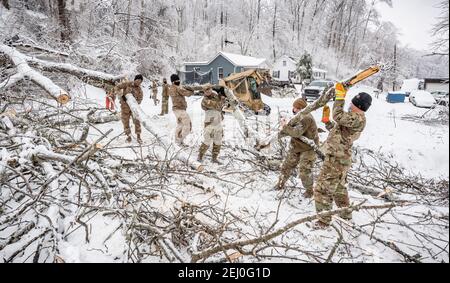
(281, 183)
(215, 154)
(202, 152)
(128, 140)
(309, 193)
(139, 140)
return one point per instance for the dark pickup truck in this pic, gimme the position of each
(315, 89)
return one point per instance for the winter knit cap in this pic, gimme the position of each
(300, 103)
(363, 101)
(139, 77)
(174, 78)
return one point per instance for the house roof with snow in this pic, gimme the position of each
(235, 59)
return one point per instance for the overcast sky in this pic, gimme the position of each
(414, 18)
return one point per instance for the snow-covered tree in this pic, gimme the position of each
(304, 67)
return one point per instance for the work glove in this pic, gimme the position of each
(326, 114)
(341, 92)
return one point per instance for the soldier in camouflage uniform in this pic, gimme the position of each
(299, 152)
(346, 128)
(165, 99)
(179, 106)
(212, 104)
(155, 92)
(135, 89)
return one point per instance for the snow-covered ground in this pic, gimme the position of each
(239, 194)
(417, 147)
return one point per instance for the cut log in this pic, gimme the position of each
(25, 71)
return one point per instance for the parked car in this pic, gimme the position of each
(441, 97)
(315, 89)
(422, 98)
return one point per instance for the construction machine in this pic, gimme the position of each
(247, 87)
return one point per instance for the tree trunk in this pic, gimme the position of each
(367, 20)
(64, 21)
(303, 18)
(274, 27)
(258, 14)
(6, 4)
(142, 23)
(128, 17)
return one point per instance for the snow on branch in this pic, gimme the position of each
(25, 71)
(22, 61)
(81, 73)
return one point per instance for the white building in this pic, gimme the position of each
(319, 74)
(432, 85)
(285, 70)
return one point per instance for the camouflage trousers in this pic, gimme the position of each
(184, 125)
(306, 160)
(331, 186)
(165, 106)
(213, 135)
(126, 114)
(155, 98)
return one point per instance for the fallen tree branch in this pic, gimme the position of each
(239, 244)
(390, 245)
(25, 71)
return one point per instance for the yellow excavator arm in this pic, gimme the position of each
(372, 70)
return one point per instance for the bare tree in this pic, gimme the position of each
(441, 31)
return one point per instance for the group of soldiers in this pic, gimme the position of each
(212, 104)
(345, 127)
(344, 130)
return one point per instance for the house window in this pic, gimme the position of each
(284, 63)
(220, 73)
(276, 74)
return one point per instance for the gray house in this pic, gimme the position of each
(219, 67)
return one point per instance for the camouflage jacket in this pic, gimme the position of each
(213, 106)
(306, 127)
(346, 129)
(165, 92)
(129, 87)
(178, 97)
(154, 87)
